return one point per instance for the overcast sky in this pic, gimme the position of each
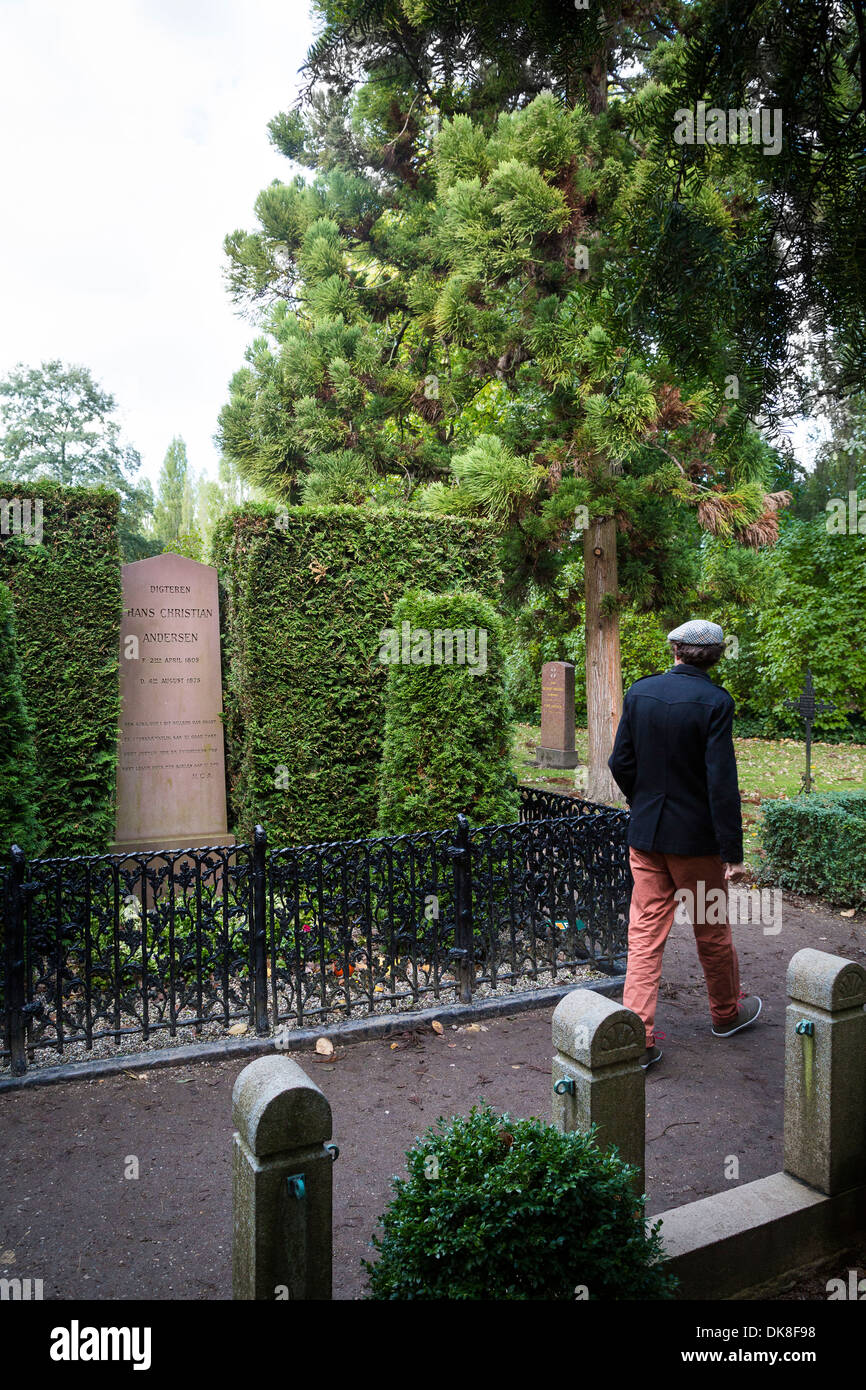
(133, 136)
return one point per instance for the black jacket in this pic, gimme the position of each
(673, 757)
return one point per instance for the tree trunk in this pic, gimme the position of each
(603, 664)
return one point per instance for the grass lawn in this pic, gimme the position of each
(767, 768)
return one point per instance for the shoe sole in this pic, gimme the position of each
(729, 1033)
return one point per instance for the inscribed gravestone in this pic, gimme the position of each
(556, 746)
(171, 763)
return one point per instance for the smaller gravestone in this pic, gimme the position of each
(556, 746)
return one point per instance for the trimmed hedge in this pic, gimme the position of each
(67, 597)
(447, 733)
(306, 593)
(500, 1208)
(17, 759)
(817, 844)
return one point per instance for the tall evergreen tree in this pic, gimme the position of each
(172, 512)
(485, 322)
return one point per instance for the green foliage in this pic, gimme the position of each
(169, 520)
(499, 1208)
(813, 616)
(447, 741)
(67, 599)
(17, 757)
(307, 593)
(58, 427)
(817, 844)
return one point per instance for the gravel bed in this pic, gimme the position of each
(160, 1038)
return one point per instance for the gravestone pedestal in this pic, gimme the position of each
(556, 745)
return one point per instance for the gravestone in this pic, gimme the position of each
(171, 762)
(556, 746)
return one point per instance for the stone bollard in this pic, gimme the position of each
(825, 1072)
(597, 1076)
(282, 1180)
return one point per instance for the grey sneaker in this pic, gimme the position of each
(652, 1054)
(746, 1014)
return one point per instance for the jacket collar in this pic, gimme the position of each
(684, 669)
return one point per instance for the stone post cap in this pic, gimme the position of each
(277, 1108)
(825, 981)
(595, 1031)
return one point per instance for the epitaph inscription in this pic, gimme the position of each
(171, 762)
(556, 747)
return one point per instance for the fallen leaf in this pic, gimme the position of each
(324, 1047)
(437, 1026)
(394, 1045)
(237, 1028)
(848, 912)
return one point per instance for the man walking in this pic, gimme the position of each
(673, 758)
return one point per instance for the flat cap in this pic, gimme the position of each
(698, 633)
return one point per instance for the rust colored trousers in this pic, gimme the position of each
(657, 877)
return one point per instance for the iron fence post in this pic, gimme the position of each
(464, 944)
(259, 932)
(14, 965)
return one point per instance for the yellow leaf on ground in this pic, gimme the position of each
(324, 1047)
(237, 1028)
(848, 912)
(393, 1045)
(437, 1026)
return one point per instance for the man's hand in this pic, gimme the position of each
(735, 873)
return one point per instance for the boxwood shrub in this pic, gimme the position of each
(17, 759)
(501, 1208)
(447, 732)
(306, 593)
(67, 596)
(817, 844)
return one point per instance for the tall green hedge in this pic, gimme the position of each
(306, 594)
(67, 596)
(817, 844)
(447, 733)
(17, 759)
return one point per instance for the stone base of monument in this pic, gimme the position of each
(556, 757)
(217, 840)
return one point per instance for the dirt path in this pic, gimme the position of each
(69, 1216)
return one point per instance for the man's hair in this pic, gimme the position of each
(698, 656)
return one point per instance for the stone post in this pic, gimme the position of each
(825, 1072)
(597, 1076)
(282, 1177)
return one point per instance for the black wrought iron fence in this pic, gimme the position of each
(133, 945)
